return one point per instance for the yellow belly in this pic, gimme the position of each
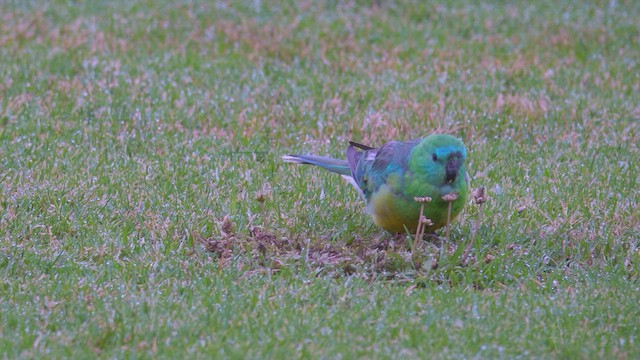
(392, 213)
(396, 213)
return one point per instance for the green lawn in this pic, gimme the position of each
(145, 211)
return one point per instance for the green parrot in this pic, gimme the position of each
(392, 177)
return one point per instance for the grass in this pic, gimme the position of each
(146, 212)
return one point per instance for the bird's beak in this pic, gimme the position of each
(453, 167)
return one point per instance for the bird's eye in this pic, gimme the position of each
(434, 157)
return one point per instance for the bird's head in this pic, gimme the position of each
(442, 157)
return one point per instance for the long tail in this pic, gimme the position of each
(334, 165)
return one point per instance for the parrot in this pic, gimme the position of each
(393, 177)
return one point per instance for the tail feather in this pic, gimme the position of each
(334, 165)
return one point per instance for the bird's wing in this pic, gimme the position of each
(371, 168)
(361, 146)
(353, 157)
